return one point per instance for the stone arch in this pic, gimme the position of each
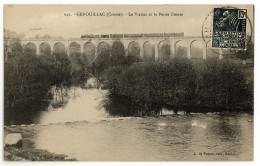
(103, 47)
(16, 47)
(134, 49)
(196, 49)
(45, 49)
(59, 48)
(118, 47)
(181, 49)
(74, 48)
(30, 48)
(118, 43)
(164, 50)
(89, 52)
(103, 57)
(118, 53)
(133, 52)
(149, 51)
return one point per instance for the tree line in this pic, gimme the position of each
(178, 84)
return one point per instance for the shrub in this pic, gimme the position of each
(179, 84)
(28, 82)
(151, 86)
(26, 86)
(224, 86)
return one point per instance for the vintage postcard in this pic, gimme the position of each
(128, 82)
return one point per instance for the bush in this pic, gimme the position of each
(79, 70)
(26, 87)
(179, 84)
(224, 86)
(151, 86)
(28, 82)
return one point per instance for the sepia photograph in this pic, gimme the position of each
(128, 82)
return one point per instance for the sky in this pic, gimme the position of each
(50, 19)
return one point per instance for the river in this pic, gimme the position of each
(83, 130)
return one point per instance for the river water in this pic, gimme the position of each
(85, 131)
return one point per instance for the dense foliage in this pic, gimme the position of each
(144, 88)
(27, 80)
(224, 87)
(28, 84)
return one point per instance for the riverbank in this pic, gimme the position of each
(28, 151)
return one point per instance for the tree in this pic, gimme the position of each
(133, 54)
(102, 62)
(27, 87)
(246, 54)
(61, 81)
(118, 54)
(181, 52)
(12, 43)
(224, 86)
(165, 52)
(147, 87)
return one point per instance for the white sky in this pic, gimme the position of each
(46, 19)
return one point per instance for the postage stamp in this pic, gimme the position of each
(229, 28)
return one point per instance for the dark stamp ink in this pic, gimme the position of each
(229, 28)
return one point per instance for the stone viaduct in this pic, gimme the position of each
(187, 41)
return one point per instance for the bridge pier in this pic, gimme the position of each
(51, 51)
(37, 50)
(141, 52)
(52, 44)
(156, 52)
(67, 50)
(172, 51)
(96, 51)
(81, 49)
(204, 54)
(126, 45)
(188, 51)
(220, 54)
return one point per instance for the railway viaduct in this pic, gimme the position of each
(141, 42)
